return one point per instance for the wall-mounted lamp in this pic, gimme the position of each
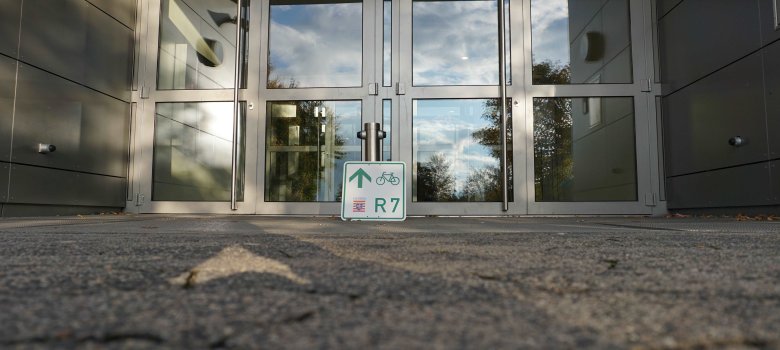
(592, 46)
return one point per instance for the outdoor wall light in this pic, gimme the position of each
(592, 46)
(220, 18)
(44, 148)
(215, 49)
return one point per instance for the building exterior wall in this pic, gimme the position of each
(65, 73)
(721, 80)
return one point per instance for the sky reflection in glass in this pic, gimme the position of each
(456, 150)
(581, 42)
(550, 26)
(455, 43)
(315, 45)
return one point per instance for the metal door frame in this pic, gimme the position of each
(146, 95)
(372, 21)
(648, 168)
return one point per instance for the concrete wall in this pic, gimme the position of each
(721, 79)
(65, 73)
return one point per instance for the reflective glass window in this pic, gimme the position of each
(457, 150)
(315, 44)
(387, 43)
(455, 42)
(307, 144)
(581, 42)
(584, 149)
(387, 126)
(197, 45)
(193, 144)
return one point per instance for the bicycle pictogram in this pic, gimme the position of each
(388, 177)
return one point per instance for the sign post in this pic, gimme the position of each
(374, 191)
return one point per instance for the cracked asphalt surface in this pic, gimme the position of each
(435, 283)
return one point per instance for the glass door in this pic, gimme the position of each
(451, 130)
(318, 86)
(184, 131)
(580, 134)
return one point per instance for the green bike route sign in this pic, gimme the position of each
(374, 191)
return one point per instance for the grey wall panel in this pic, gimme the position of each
(664, 6)
(774, 169)
(109, 55)
(7, 82)
(584, 10)
(54, 36)
(78, 41)
(10, 10)
(4, 181)
(35, 185)
(733, 187)
(89, 129)
(698, 37)
(122, 10)
(771, 59)
(769, 31)
(22, 210)
(701, 118)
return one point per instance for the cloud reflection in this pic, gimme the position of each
(317, 45)
(447, 31)
(446, 127)
(550, 31)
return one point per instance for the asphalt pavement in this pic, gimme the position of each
(254, 282)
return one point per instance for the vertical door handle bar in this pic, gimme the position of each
(502, 103)
(236, 116)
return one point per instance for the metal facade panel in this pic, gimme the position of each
(774, 171)
(89, 129)
(769, 31)
(10, 10)
(701, 119)
(109, 55)
(4, 182)
(121, 10)
(89, 47)
(698, 38)
(748, 185)
(771, 59)
(664, 6)
(36, 185)
(7, 82)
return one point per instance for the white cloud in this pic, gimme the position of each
(317, 45)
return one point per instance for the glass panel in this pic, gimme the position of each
(193, 151)
(507, 44)
(581, 42)
(387, 126)
(307, 143)
(387, 43)
(584, 149)
(197, 45)
(454, 42)
(315, 44)
(457, 152)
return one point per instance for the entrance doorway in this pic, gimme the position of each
(580, 129)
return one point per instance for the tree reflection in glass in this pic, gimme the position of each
(457, 151)
(307, 143)
(315, 44)
(584, 149)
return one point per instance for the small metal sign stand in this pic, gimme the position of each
(373, 190)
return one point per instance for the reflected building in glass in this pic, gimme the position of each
(581, 42)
